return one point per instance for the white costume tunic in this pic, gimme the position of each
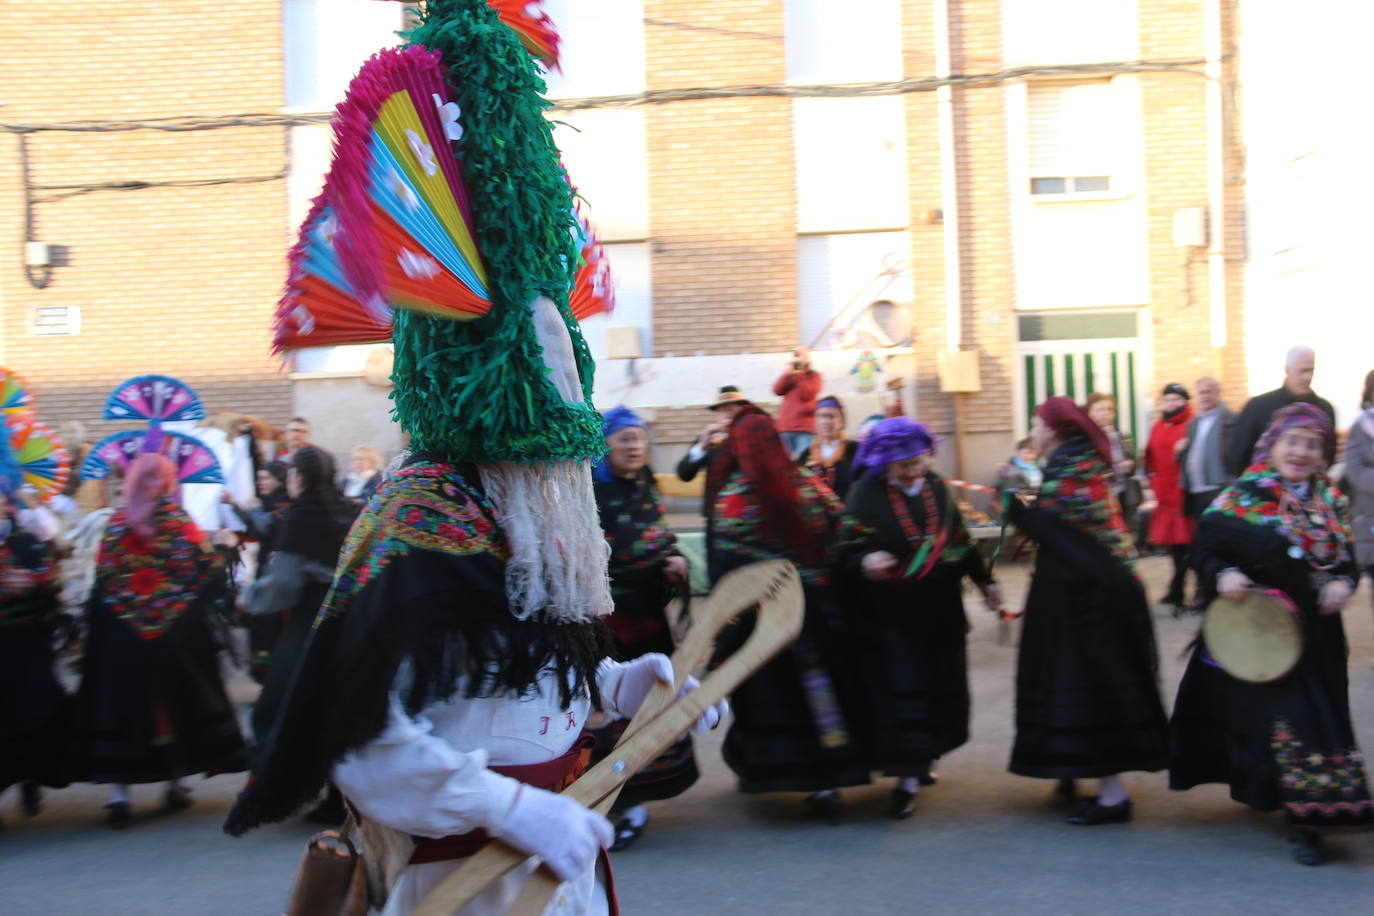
(428, 777)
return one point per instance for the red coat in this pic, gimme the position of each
(798, 391)
(1169, 525)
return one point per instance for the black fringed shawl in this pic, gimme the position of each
(421, 580)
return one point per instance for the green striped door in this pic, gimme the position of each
(1059, 358)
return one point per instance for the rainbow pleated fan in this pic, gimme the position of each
(534, 28)
(393, 226)
(154, 399)
(592, 292)
(15, 400)
(43, 463)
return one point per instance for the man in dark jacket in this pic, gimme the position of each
(728, 403)
(1254, 418)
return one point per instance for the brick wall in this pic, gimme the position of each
(175, 280)
(722, 211)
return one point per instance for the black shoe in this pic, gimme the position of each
(626, 834)
(928, 778)
(118, 815)
(901, 805)
(31, 798)
(825, 805)
(1092, 814)
(1307, 848)
(1066, 791)
(178, 799)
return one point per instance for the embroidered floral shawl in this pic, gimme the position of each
(1078, 489)
(149, 583)
(1318, 527)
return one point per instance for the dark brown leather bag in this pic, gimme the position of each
(331, 879)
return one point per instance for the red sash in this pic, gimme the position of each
(554, 775)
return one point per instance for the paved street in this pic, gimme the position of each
(982, 841)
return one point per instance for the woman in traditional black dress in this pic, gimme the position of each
(1287, 744)
(905, 553)
(800, 721)
(1087, 692)
(152, 704)
(831, 455)
(647, 574)
(35, 712)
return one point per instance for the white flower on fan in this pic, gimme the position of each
(449, 112)
(329, 227)
(305, 321)
(402, 189)
(424, 153)
(417, 266)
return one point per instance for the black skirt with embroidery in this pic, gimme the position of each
(1284, 745)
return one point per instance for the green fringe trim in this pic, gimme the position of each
(478, 390)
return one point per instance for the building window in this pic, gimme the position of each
(630, 262)
(607, 161)
(1073, 145)
(841, 277)
(602, 48)
(858, 41)
(327, 41)
(851, 164)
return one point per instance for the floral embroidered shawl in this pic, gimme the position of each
(1078, 489)
(1319, 527)
(150, 583)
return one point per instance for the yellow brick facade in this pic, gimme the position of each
(179, 280)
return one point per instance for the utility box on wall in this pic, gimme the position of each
(623, 343)
(959, 373)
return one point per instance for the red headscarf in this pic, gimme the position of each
(150, 477)
(755, 449)
(1068, 420)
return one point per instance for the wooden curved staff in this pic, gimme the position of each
(771, 586)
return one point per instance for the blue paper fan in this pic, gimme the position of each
(195, 462)
(155, 398)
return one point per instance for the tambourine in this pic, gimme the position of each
(1257, 640)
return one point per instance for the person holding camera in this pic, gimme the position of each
(798, 387)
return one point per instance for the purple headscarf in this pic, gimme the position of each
(893, 439)
(1297, 416)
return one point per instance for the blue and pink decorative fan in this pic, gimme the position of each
(155, 399)
(31, 454)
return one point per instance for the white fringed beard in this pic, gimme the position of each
(558, 553)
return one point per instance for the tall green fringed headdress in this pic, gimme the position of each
(478, 390)
(446, 225)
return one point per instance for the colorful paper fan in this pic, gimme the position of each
(320, 307)
(42, 459)
(592, 292)
(536, 31)
(194, 461)
(15, 400)
(155, 398)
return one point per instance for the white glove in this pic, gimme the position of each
(624, 685)
(558, 830)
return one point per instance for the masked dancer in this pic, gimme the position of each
(1087, 696)
(1288, 744)
(446, 682)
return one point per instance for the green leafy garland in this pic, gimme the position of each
(478, 390)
